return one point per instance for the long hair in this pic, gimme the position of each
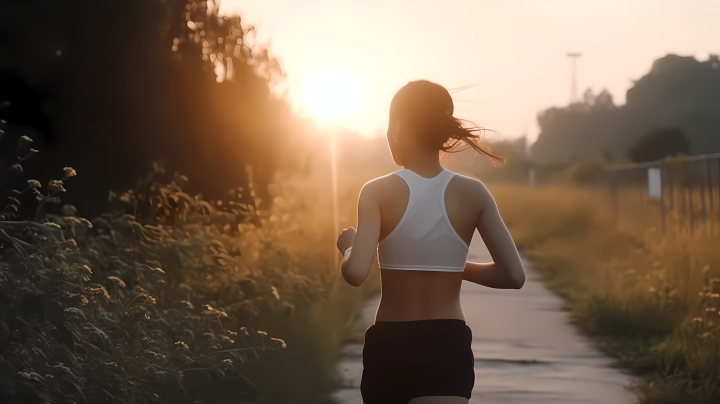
(428, 108)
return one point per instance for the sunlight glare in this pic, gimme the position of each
(330, 94)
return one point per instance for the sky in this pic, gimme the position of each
(513, 52)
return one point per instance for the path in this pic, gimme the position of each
(525, 349)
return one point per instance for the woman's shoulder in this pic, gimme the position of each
(386, 180)
(383, 185)
(469, 186)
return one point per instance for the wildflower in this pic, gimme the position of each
(100, 290)
(275, 292)
(182, 346)
(87, 273)
(24, 141)
(34, 184)
(187, 304)
(227, 361)
(117, 281)
(56, 185)
(697, 320)
(262, 333)
(140, 292)
(69, 172)
(280, 342)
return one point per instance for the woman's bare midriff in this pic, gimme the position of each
(419, 295)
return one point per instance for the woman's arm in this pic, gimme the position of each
(506, 271)
(358, 260)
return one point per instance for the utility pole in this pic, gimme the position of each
(573, 92)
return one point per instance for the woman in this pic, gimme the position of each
(424, 216)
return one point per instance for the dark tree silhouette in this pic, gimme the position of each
(678, 92)
(658, 144)
(111, 86)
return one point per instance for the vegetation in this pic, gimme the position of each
(215, 287)
(658, 144)
(178, 83)
(651, 301)
(169, 297)
(677, 92)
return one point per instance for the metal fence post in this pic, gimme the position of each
(703, 202)
(709, 183)
(682, 174)
(686, 215)
(671, 188)
(662, 196)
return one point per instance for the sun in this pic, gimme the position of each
(331, 94)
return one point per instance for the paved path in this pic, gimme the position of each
(525, 349)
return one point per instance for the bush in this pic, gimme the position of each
(658, 144)
(149, 306)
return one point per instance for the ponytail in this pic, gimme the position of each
(461, 134)
(428, 108)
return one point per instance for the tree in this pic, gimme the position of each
(112, 86)
(678, 92)
(658, 144)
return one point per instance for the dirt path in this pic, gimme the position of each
(525, 349)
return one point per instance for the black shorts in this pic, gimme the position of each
(407, 359)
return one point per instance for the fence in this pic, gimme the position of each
(680, 194)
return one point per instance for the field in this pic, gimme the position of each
(648, 299)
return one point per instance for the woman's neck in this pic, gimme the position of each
(425, 162)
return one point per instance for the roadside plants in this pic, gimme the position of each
(151, 302)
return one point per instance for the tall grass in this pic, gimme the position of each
(650, 300)
(171, 298)
(306, 370)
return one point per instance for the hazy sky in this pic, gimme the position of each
(515, 51)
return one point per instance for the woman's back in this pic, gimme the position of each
(424, 294)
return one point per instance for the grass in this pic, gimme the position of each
(307, 370)
(180, 300)
(171, 298)
(649, 300)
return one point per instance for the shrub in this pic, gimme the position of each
(154, 305)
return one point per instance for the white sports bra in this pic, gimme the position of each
(424, 240)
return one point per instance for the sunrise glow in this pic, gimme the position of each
(331, 94)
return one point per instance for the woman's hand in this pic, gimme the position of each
(346, 239)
